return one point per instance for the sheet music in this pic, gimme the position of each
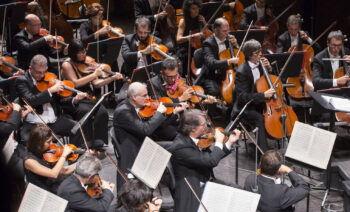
(38, 199)
(9, 148)
(311, 145)
(338, 103)
(217, 197)
(150, 163)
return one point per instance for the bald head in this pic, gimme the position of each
(33, 24)
(221, 28)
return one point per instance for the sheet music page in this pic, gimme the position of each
(217, 197)
(311, 145)
(54, 203)
(9, 148)
(150, 163)
(338, 103)
(33, 199)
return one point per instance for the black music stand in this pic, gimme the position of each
(140, 75)
(108, 50)
(257, 34)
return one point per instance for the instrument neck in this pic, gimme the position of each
(268, 79)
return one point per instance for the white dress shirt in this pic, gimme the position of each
(255, 70)
(335, 66)
(260, 12)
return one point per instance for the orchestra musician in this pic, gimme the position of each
(130, 129)
(37, 170)
(73, 188)
(195, 164)
(255, 12)
(276, 196)
(47, 103)
(95, 128)
(247, 75)
(137, 196)
(29, 42)
(294, 36)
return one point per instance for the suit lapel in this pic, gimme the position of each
(328, 65)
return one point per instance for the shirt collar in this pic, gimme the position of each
(276, 180)
(195, 140)
(218, 41)
(34, 80)
(331, 55)
(252, 65)
(30, 36)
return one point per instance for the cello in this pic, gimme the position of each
(74, 8)
(234, 17)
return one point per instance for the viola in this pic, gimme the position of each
(8, 64)
(50, 80)
(59, 39)
(55, 152)
(114, 32)
(209, 137)
(152, 106)
(160, 51)
(89, 65)
(95, 189)
(275, 107)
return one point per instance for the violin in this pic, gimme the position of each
(275, 107)
(59, 39)
(209, 137)
(5, 112)
(152, 105)
(95, 189)
(8, 64)
(50, 80)
(160, 51)
(55, 152)
(114, 32)
(88, 67)
(196, 43)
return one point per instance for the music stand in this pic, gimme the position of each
(140, 75)
(257, 34)
(108, 50)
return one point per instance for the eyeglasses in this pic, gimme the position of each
(257, 52)
(171, 77)
(335, 45)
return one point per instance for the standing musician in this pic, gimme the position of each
(73, 188)
(92, 30)
(87, 82)
(37, 170)
(29, 42)
(323, 71)
(130, 129)
(47, 103)
(275, 196)
(247, 75)
(195, 164)
(294, 36)
(131, 55)
(191, 21)
(255, 12)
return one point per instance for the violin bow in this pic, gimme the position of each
(42, 120)
(107, 15)
(250, 137)
(194, 193)
(324, 32)
(50, 16)
(84, 138)
(233, 123)
(245, 37)
(284, 66)
(189, 60)
(118, 168)
(58, 58)
(284, 11)
(214, 14)
(149, 76)
(3, 31)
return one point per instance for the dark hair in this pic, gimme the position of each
(133, 195)
(37, 137)
(190, 119)
(271, 161)
(187, 5)
(143, 22)
(75, 46)
(338, 35)
(250, 47)
(93, 9)
(169, 63)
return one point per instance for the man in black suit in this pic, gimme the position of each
(276, 197)
(194, 163)
(149, 9)
(323, 71)
(130, 53)
(27, 46)
(46, 103)
(247, 75)
(254, 13)
(294, 36)
(73, 188)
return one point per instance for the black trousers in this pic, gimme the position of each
(62, 126)
(211, 87)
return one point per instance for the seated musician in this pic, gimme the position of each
(137, 196)
(255, 12)
(276, 196)
(74, 189)
(247, 75)
(29, 42)
(37, 170)
(191, 21)
(130, 129)
(195, 164)
(47, 103)
(294, 36)
(95, 128)
(130, 53)
(92, 30)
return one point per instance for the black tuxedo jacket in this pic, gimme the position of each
(188, 161)
(142, 8)
(27, 49)
(159, 86)
(129, 54)
(79, 200)
(322, 73)
(249, 14)
(26, 89)
(284, 43)
(277, 197)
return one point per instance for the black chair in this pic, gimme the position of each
(115, 143)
